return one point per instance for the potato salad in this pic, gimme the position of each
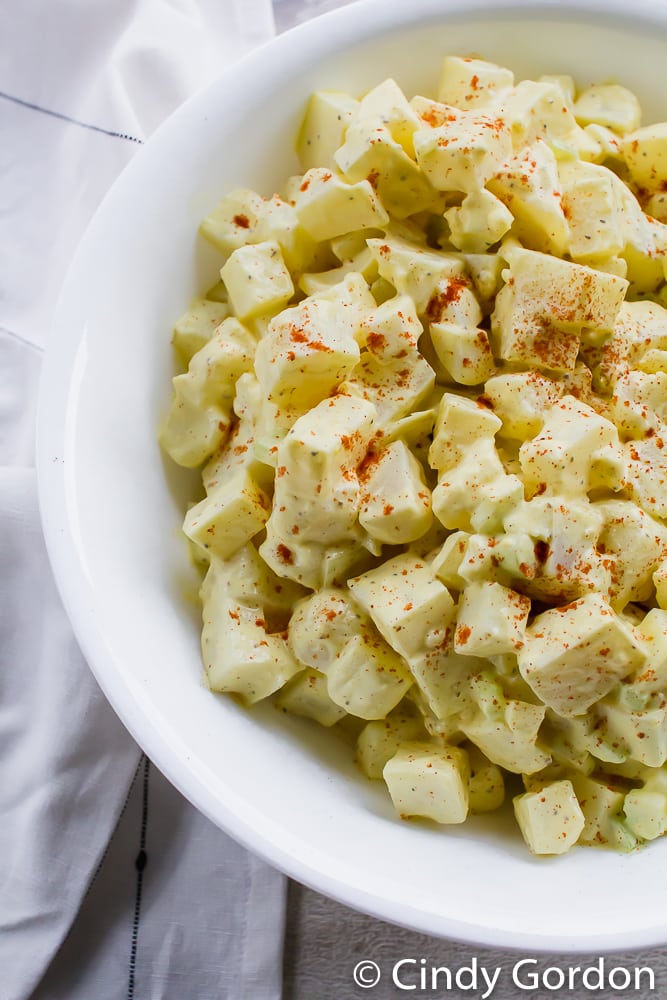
(428, 398)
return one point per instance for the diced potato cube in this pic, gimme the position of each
(216, 368)
(279, 222)
(240, 657)
(524, 335)
(463, 487)
(485, 270)
(637, 544)
(644, 687)
(569, 742)
(429, 782)
(248, 580)
(600, 802)
(575, 451)
(506, 731)
(638, 406)
(498, 499)
(354, 298)
(506, 558)
(646, 813)
(316, 480)
(395, 501)
(473, 83)
(406, 602)
(480, 221)
(371, 153)
(237, 453)
(546, 302)
(379, 740)
(463, 152)
(392, 374)
(271, 424)
(320, 627)
(233, 221)
(327, 116)
(311, 565)
(453, 301)
(460, 424)
(579, 382)
(574, 655)
(538, 109)
(521, 399)
(660, 584)
(414, 271)
(192, 432)
(656, 206)
(640, 327)
(561, 561)
(196, 327)
(565, 84)
(550, 820)
(394, 387)
(257, 280)
(392, 329)
(347, 248)
(233, 512)
(590, 202)
(610, 105)
(486, 786)
(327, 206)
(448, 559)
(647, 474)
(199, 417)
(318, 284)
(491, 620)
(316, 497)
(465, 352)
(367, 678)
(640, 734)
(244, 218)
(388, 103)
(306, 695)
(307, 352)
(608, 143)
(529, 185)
(645, 245)
(444, 679)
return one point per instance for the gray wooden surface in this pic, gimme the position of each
(325, 941)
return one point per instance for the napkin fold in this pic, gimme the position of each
(167, 905)
(67, 761)
(176, 911)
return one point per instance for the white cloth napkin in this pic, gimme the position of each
(168, 906)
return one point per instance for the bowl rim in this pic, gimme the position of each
(358, 21)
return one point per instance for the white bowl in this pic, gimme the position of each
(112, 507)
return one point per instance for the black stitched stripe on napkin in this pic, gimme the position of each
(139, 864)
(67, 118)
